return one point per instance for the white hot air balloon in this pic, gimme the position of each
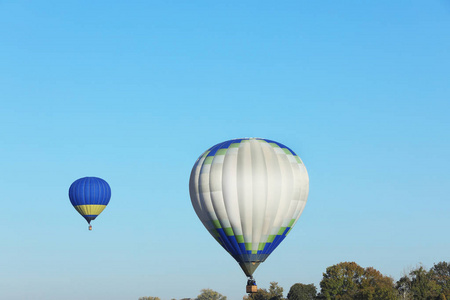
(249, 193)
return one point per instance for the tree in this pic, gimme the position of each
(208, 294)
(422, 285)
(341, 281)
(440, 273)
(349, 281)
(149, 298)
(261, 294)
(403, 287)
(301, 291)
(275, 293)
(376, 286)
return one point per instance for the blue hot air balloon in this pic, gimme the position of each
(89, 196)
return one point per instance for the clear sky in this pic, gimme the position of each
(134, 91)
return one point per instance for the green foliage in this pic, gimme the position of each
(440, 273)
(422, 286)
(403, 286)
(275, 293)
(374, 285)
(208, 294)
(301, 291)
(261, 294)
(149, 298)
(341, 281)
(349, 281)
(425, 285)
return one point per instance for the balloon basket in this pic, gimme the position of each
(251, 289)
(90, 227)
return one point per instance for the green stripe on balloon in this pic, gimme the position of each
(229, 231)
(221, 152)
(248, 246)
(281, 231)
(274, 145)
(240, 239)
(216, 224)
(286, 150)
(208, 160)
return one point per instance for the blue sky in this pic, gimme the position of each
(134, 92)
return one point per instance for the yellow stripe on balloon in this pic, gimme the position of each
(90, 209)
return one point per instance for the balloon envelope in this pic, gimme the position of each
(89, 196)
(249, 193)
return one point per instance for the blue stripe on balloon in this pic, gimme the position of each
(236, 248)
(242, 247)
(225, 145)
(281, 146)
(213, 150)
(278, 239)
(226, 243)
(266, 248)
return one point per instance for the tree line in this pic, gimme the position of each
(349, 281)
